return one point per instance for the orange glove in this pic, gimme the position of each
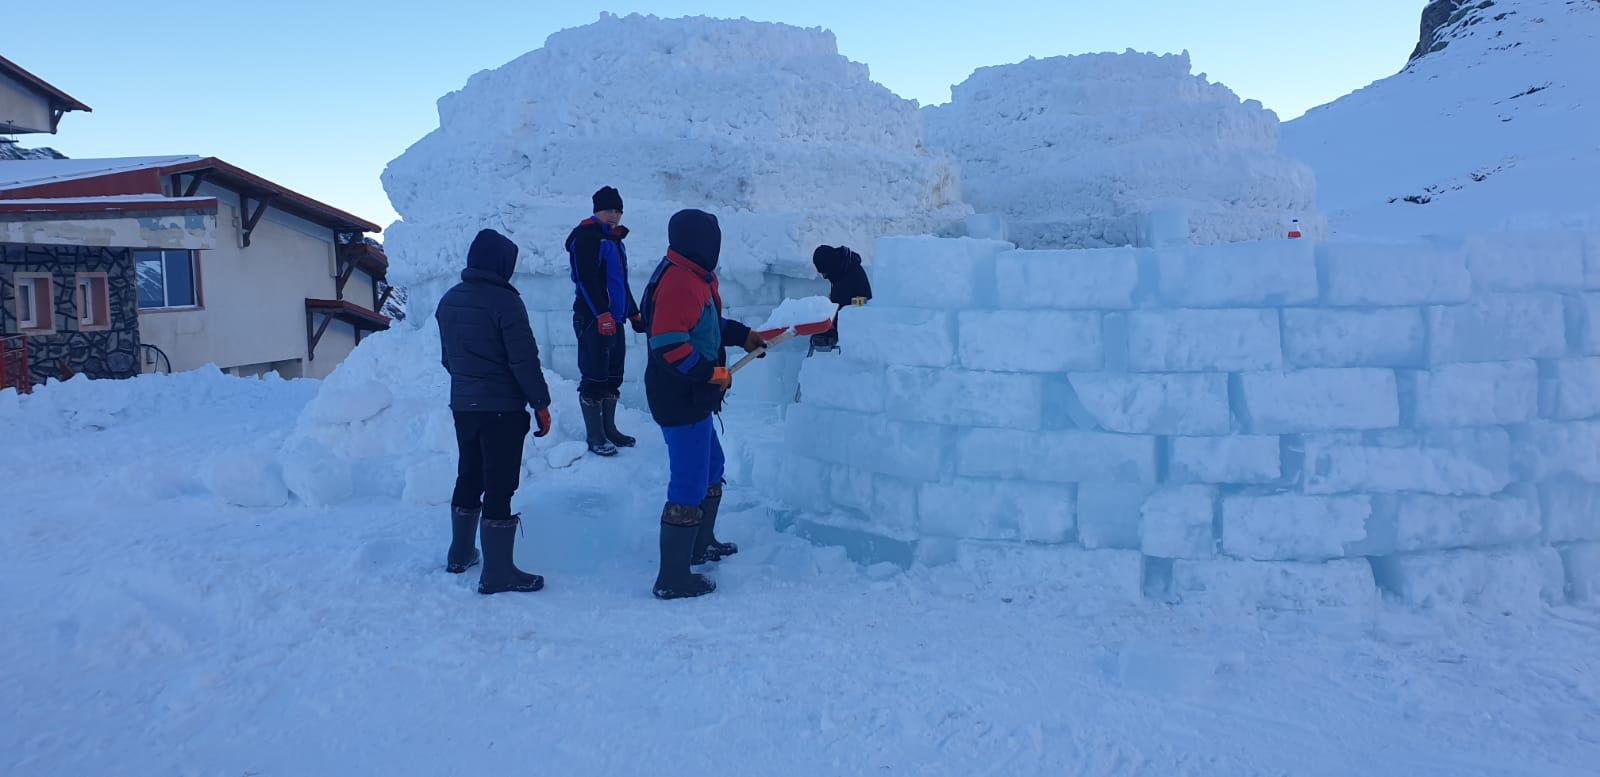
(542, 416)
(722, 378)
(607, 324)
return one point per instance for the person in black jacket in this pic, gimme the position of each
(848, 285)
(847, 279)
(487, 346)
(599, 267)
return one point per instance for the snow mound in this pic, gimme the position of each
(247, 478)
(765, 125)
(381, 426)
(1492, 129)
(1073, 150)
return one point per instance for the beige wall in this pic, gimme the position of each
(23, 108)
(253, 299)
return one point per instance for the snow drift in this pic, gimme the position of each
(1072, 150)
(1491, 127)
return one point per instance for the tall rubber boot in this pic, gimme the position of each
(594, 427)
(499, 572)
(608, 416)
(706, 546)
(463, 552)
(679, 526)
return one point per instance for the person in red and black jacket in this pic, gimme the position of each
(685, 381)
(603, 300)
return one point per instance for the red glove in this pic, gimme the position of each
(722, 378)
(542, 415)
(638, 325)
(607, 324)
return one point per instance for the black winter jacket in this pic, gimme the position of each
(486, 342)
(843, 271)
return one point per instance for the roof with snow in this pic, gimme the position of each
(57, 178)
(28, 173)
(126, 204)
(59, 100)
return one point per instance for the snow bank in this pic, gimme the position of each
(1120, 149)
(766, 125)
(173, 419)
(381, 426)
(1279, 424)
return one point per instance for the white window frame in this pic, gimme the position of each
(93, 301)
(26, 292)
(41, 319)
(194, 279)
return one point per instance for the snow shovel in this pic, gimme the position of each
(776, 336)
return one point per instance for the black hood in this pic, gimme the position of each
(696, 235)
(493, 252)
(830, 260)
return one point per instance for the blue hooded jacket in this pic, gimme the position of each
(486, 342)
(598, 263)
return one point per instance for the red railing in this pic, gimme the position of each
(14, 371)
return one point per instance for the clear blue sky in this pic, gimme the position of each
(319, 96)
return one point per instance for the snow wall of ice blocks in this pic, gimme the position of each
(1281, 424)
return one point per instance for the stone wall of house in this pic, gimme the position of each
(113, 353)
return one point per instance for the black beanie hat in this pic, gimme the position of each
(607, 199)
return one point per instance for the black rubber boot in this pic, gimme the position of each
(463, 553)
(608, 416)
(706, 546)
(500, 573)
(594, 427)
(679, 526)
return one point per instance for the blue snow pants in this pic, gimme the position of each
(696, 461)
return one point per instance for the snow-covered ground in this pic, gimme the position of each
(204, 575)
(153, 629)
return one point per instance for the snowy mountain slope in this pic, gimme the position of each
(1494, 125)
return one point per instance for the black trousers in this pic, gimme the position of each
(489, 463)
(600, 358)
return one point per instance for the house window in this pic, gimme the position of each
(94, 302)
(166, 279)
(34, 296)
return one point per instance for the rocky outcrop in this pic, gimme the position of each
(11, 152)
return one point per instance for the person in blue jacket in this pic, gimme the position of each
(487, 346)
(603, 300)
